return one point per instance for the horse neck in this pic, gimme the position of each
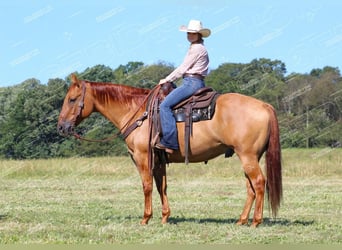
(118, 103)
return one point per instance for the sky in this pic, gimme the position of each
(46, 39)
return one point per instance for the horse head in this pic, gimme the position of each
(75, 107)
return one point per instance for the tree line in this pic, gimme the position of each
(309, 106)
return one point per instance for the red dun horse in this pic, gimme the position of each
(242, 123)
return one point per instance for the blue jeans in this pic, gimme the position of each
(168, 123)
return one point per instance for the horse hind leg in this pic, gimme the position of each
(248, 204)
(255, 184)
(159, 174)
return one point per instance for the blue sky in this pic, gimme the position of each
(47, 39)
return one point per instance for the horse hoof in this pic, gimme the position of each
(255, 224)
(241, 222)
(144, 222)
(165, 219)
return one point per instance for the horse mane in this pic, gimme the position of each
(124, 94)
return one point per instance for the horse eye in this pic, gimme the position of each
(72, 100)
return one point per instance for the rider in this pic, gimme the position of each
(193, 70)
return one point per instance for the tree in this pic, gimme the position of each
(30, 128)
(225, 78)
(149, 76)
(123, 72)
(248, 79)
(98, 73)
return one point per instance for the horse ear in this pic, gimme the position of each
(73, 79)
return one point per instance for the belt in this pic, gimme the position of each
(197, 76)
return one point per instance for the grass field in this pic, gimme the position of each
(100, 200)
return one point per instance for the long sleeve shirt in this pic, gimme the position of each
(196, 61)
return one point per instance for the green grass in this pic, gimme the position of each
(100, 200)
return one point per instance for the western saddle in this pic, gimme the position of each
(198, 107)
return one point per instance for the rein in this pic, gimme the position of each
(129, 128)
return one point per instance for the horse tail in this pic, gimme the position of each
(274, 184)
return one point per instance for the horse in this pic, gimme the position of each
(241, 123)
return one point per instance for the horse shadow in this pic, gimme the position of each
(3, 217)
(179, 220)
(267, 222)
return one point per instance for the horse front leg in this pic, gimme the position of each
(147, 183)
(159, 174)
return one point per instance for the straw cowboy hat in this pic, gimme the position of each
(195, 26)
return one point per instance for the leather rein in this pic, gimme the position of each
(129, 128)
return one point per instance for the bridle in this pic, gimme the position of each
(81, 103)
(78, 114)
(128, 126)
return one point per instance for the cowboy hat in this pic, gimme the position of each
(195, 26)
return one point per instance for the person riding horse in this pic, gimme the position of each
(193, 70)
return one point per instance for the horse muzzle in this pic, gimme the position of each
(65, 128)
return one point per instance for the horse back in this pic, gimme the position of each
(244, 120)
